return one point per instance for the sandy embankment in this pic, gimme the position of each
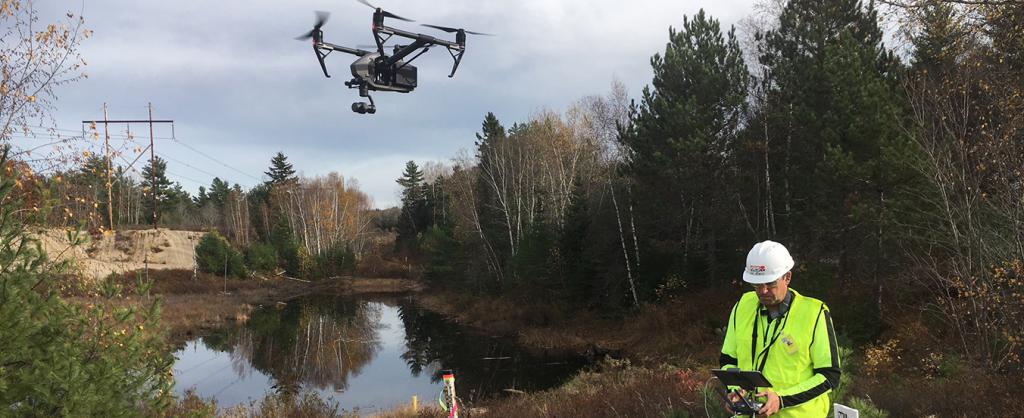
(124, 251)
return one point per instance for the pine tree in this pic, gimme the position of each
(61, 359)
(201, 197)
(491, 132)
(572, 248)
(415, 217)
(218, 194)
(679, 143)
(281, 170)
(834, 122)
(286, 246)
(159, 192)
(940, 41)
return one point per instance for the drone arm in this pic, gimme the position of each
(332, 47)
(406, 50)
(426, 39)
(425, 49)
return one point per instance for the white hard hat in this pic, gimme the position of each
(766, 262)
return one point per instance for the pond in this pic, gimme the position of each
(366, 354)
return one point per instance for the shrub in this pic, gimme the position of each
(58, 359)
(261, 257)
(287, 247)
(337, 261)
(214, 254)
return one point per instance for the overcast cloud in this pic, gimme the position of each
(240, 88)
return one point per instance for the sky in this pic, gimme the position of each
(240, 88)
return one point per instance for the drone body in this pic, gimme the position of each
(378, 71)
(373, 69)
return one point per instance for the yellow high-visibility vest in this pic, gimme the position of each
(796, 352)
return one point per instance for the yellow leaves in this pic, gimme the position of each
(8, 7)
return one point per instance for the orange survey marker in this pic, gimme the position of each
(449, 402)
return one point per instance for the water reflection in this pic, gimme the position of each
(316, 342)
(364, 354)
(483, 365)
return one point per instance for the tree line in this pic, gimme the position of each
(893, 175)
(310, 226)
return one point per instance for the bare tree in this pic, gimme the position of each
(34, 61)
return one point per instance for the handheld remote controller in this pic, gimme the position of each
(745, 405)
(749, 381)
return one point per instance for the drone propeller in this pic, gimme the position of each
(385, 12)
(454, 30)
(321, 18)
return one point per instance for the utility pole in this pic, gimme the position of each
(152, 156)
(152, 171)
(110, 194)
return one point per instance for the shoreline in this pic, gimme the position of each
(192, 307)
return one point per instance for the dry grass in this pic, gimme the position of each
(971, 393)
(353, 285)
(675, 332)
(308, 405)
(407, 412)
(617, 390)
(376, 265)
(913, 372)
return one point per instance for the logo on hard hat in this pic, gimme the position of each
(757, 269)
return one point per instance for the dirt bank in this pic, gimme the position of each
(124, 251)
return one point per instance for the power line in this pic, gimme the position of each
(185, 178)
(50, 132)
(165, 171)
(188, 165)
(213, 159)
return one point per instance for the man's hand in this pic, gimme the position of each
(771, 405)
(734, 397)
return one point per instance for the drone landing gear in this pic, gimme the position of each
(361, 107)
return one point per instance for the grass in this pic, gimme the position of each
(677, 332)
(616, 389)
(307, 405)
(683, 336)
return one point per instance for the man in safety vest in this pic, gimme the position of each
(785, 335)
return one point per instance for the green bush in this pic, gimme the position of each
(214, 254)
(60, 359)
(287, 247)
(261, 257)
(335, 261)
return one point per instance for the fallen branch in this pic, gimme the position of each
(298, 280)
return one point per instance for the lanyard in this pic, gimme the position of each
(754, 355)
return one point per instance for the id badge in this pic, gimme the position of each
(789, 344)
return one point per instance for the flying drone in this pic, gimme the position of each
(378, 71)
